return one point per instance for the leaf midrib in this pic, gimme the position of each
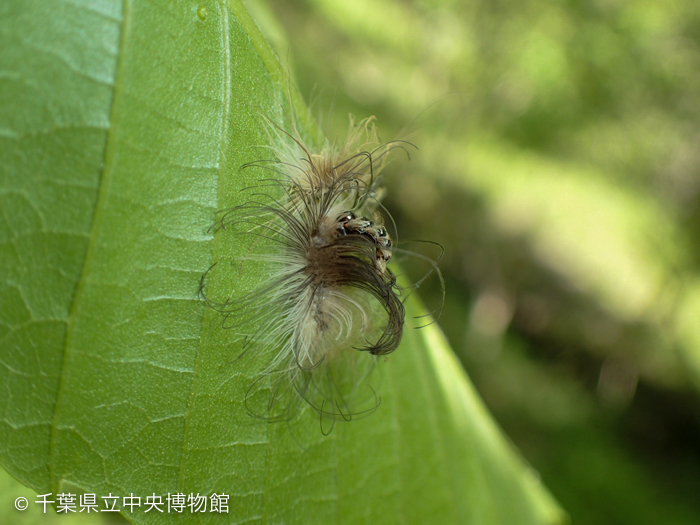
(226, 63)
(102, 185)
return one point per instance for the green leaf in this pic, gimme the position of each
(122, 130)
(11, 490)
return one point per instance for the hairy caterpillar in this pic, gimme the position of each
(330, 305)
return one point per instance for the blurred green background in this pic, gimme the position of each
(558, 165)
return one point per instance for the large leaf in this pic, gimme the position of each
(122, 130)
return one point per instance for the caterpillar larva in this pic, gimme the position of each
(331, 304)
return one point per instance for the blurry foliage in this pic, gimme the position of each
(559, 166)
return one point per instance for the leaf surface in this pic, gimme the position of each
(122, 130)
